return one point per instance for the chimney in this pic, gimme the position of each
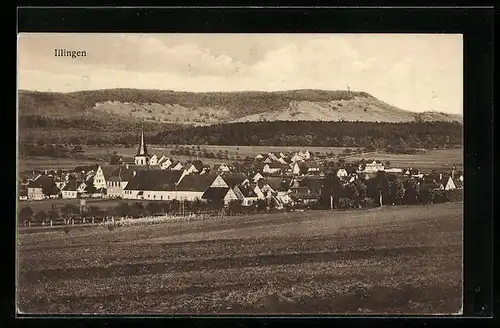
(126, 166)
(440, 176)
(453, 173)
(135, 172)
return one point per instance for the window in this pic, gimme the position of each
(154, 196)
(161, 197)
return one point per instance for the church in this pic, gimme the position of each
(142, 157)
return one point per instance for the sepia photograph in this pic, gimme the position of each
(243, 174)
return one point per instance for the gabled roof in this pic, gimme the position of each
(278, 165)
(215, 194)
(195, 182)
(158, 180)
(247, 191)
(233, 179)
(277, 183)
(109, 170)
(458, 183)
(429, 186)
(313, 184)
(41, 182)
(72, 185)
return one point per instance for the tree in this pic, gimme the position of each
(412, 192)
(153, 208)
(114, 159)
(53, 215)
(122, 209)
(95, 211)
(359, 192)
(261, 204)
(396, 191)
(137, 210)
(69, 209)
(26, 213)
(50, 189)
(235, 206)
(41, 216)
(382, 186)
(330, 190)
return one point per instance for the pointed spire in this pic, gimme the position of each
(143, 149)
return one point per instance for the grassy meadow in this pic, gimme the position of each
(440, 159)
(393, 260)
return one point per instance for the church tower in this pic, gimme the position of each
(142, 156)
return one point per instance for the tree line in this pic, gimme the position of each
(313, 133)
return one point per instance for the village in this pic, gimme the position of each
(278, 180)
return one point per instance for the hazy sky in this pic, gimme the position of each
(416, 72)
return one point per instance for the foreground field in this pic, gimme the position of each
(389, 260)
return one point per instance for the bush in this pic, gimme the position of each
(345, 203)
(456, 195)
(368, 202)
(438, 196)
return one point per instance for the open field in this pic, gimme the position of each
(391, 260)
(241, 151)
(439, 159)
(48, 163)
(46, 205)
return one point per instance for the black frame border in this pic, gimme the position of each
(476, 25)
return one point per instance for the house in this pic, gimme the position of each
(273, 157)
(37, 187)
(246, 195)
(219, 195)
(73, 189)
(306, 190)
(372, 167)
(165, 162)
(153, 185)
(259, 157)
(195, 167)
(153, 160)
(274, 188)
(342, 173)
(60, 183)
(176, 166)
(268, 160)
(232, 180)
(275, 167)
(225, 168)
(117, 180)
(23, 193)
(191, 187)
(452, 184)
(306, 168)
(394, 170)
(257, 177)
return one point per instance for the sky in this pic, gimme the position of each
(417, 72)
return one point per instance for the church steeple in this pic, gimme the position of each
(142, 156)
(143, 149)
